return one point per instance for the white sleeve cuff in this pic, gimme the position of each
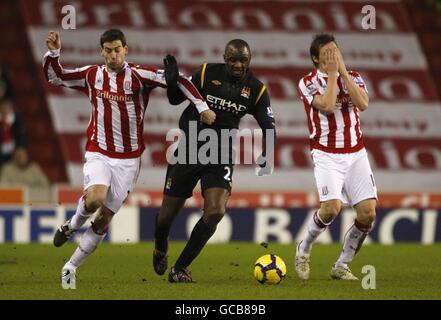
(54, 53)
(202, 106)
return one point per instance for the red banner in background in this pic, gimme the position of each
(281, 16)
(401, 126)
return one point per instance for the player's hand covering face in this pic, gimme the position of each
(341, 63)
(114, 54)
(237, 61)
(328, 59)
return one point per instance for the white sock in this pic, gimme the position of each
(353, 240)
(315, 227)
(81, 215)
(88, 243)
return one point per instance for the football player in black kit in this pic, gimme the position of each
(231, 91)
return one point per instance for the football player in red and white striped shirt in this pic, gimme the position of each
(333, 97)
(119, 94)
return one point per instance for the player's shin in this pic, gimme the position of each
(315, 227)
(162, 231)
(201, 233)
(88, 243)
(81, 214)
(353, 241)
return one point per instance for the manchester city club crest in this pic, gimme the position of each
(169, 183)
(246, 92)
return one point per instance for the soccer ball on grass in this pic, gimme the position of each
(269, 269)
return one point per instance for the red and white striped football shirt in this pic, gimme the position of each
(119, 101)
(337, 132)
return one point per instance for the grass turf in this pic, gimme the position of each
(222, 271)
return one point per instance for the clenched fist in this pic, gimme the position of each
(53, 41)
(208, 116)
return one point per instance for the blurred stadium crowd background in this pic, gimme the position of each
(42, 131)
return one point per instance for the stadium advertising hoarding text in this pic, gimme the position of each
(132, 225)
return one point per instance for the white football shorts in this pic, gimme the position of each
(119, 175)
(346, 176)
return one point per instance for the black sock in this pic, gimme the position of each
(161, 235)
(199, 236)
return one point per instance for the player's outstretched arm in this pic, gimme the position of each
(264, 116)
(55, 74)
(154, 77)
(265, 162)
(175, 95)
(207, 115)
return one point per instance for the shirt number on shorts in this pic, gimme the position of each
(228, 175)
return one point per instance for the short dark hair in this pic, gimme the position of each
(319, 41)
(238, 44)
(113, 35)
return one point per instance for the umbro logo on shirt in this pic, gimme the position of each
(216, 82)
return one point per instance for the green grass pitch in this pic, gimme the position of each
(222, 271)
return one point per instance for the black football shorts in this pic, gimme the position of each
(181, 179)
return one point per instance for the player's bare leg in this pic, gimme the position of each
(354, 239)
(169, 210)
(316, 225)
(215, 201)
(93, 199)
(88, 243)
